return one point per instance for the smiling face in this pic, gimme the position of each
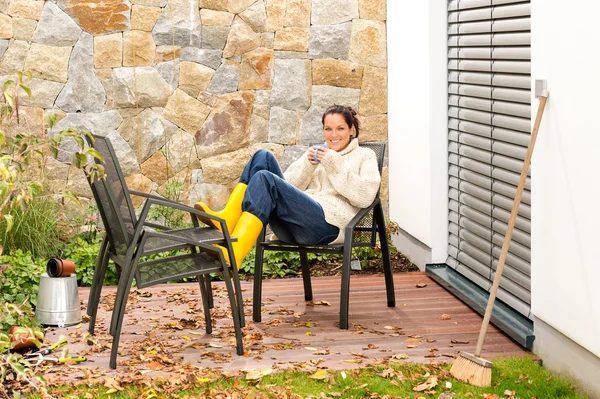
(337, 132)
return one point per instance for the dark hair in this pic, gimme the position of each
(348, 113)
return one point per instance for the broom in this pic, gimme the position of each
(471, 368)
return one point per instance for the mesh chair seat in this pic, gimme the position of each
(150, 273)
(204, 235)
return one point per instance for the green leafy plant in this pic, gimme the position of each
(20, 277)
(84, 254)
(281, 264)
(170, 217)
(17, 326)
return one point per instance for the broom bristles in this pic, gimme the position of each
(472, 370)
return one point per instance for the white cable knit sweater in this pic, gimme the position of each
(343, 183)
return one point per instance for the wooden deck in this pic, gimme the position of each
(164, 327)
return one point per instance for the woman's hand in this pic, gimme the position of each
(316, 153)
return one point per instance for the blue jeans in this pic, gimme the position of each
(294, 217)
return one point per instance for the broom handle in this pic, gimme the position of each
(511, 225)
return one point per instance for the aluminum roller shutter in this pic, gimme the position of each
(489, 107)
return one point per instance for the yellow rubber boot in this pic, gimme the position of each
(232, 211)
(246, 231)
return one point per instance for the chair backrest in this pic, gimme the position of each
(112, 198)
(365, 231)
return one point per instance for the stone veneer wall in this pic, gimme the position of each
(189, 89)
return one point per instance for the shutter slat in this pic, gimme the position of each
(501, 26)
(518, 10)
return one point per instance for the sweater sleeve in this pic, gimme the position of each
(359, 188)
(300, 172)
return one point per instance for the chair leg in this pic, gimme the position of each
(385, 255)
(258, 268)
(345, 289)
(234, 310)
(308, 294)
(127, 274)
(211, 301)
(238, 296)
(119, 311)
(205, 303)
(96, 289)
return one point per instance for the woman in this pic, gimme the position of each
(314, 200)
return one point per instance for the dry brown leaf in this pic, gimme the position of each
(456, 341)
(445, 317)
(421, 285)
(412, 340)
(255, 375)
(155, 365)
(429, 384)
(400, 356)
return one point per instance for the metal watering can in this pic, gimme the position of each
(58, 298)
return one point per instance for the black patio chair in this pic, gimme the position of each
(361, 232)
(130, 238)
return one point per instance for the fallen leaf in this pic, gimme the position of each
(448, 385)
(400, 356)
(186, 337)
(320, 374)
(508, 392)
(371, 346)
(112, 383)
(411, 346)
(310, 348)
(343, 374)
(421, 285)
(456, 341)
(445, 317)
(412, 340)
(154, 365)
(429, 384)
(254, 375)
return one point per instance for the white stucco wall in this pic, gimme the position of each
(417, 112)
(565, 170)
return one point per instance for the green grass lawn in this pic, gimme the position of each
(512, 378)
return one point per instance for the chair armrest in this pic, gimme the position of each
(154, 197)
(175, 205)
(150, 196)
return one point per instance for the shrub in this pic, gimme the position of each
(84, 254)
(20, 277)
(33, 230)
